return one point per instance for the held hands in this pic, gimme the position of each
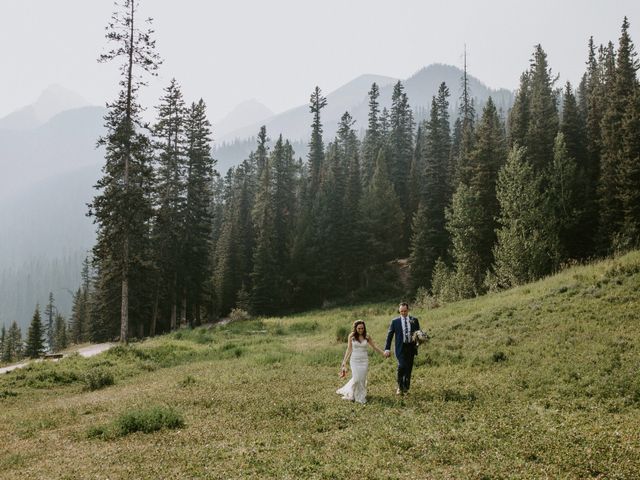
(386, 354)
(343, 372)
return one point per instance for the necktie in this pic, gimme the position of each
(405, 322)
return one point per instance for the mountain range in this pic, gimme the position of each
(50, 163)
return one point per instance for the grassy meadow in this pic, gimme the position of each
(542, 381)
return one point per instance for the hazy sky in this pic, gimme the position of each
(276, 51)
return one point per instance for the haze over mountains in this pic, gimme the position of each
(50, 163)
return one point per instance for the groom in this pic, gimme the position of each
(405, 349)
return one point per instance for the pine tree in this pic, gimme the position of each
(77, 333)
(316, 146)
(198, 215)
(400, 151)
(623, 87)
(629, 175)
(488, 156)
(170, 199)
(122, 208)
(525, 248)
(519, 116)
(3, 340)
(352, 260)
(431, 241)
(579, 243)
(543, 111)
(562, 201)
(373, 136)
(466, 127)
(12, 347)
(35, 337)
(306, 246)
(50, 313)
(382, 216)
(60, 336)
(266, 289)
(465, 223)
(234, 249)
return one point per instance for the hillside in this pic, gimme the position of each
(536, 382)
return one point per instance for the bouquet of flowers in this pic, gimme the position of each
(420, 337)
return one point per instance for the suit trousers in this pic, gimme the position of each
(405, 366)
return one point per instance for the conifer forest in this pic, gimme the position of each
(469, 200)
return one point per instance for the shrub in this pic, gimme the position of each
(424, 300)
(238, 314)
(342, 334)
(97, 378)
(499, 356)
(148, 420)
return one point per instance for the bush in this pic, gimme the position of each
(424, 300)
(342, 334)
(499, 356)
(148, 420)
(97, 378)
(238, 314)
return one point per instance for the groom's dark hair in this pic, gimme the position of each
(403, 304)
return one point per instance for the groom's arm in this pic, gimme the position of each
(387, 345)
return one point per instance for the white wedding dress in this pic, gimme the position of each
(356, 388)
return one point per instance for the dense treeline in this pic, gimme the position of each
(475, 202)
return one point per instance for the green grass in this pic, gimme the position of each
(536, 382)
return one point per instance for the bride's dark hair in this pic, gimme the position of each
(355, 331)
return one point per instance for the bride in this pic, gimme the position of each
(356, 388)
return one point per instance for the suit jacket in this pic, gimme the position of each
(395, 328)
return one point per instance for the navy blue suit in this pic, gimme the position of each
(404, 351)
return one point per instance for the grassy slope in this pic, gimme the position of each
(537, 382)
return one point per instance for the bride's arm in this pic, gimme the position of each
(347, 354)
(374, 346)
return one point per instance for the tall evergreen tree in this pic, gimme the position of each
(170, 199)
(382, 216)
(316, 145)
(3, 339)
(431, 241)
(562, 201)
(486, 159)
(543, 111)
(306, 247)
(35, 345)
(373, 135)
(12, 347)
(624, 85)
(460, 162)
(60, 336)
(629, 175)
(198, 214)
(400, 151)
(526, 248)
(122, 208)
(465, 223)
(274, 212)
(50, 313)
(234, 249)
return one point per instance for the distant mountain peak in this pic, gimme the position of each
(52, 101)
(55, 99)
(245, 113)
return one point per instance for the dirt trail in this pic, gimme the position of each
(88, 351)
